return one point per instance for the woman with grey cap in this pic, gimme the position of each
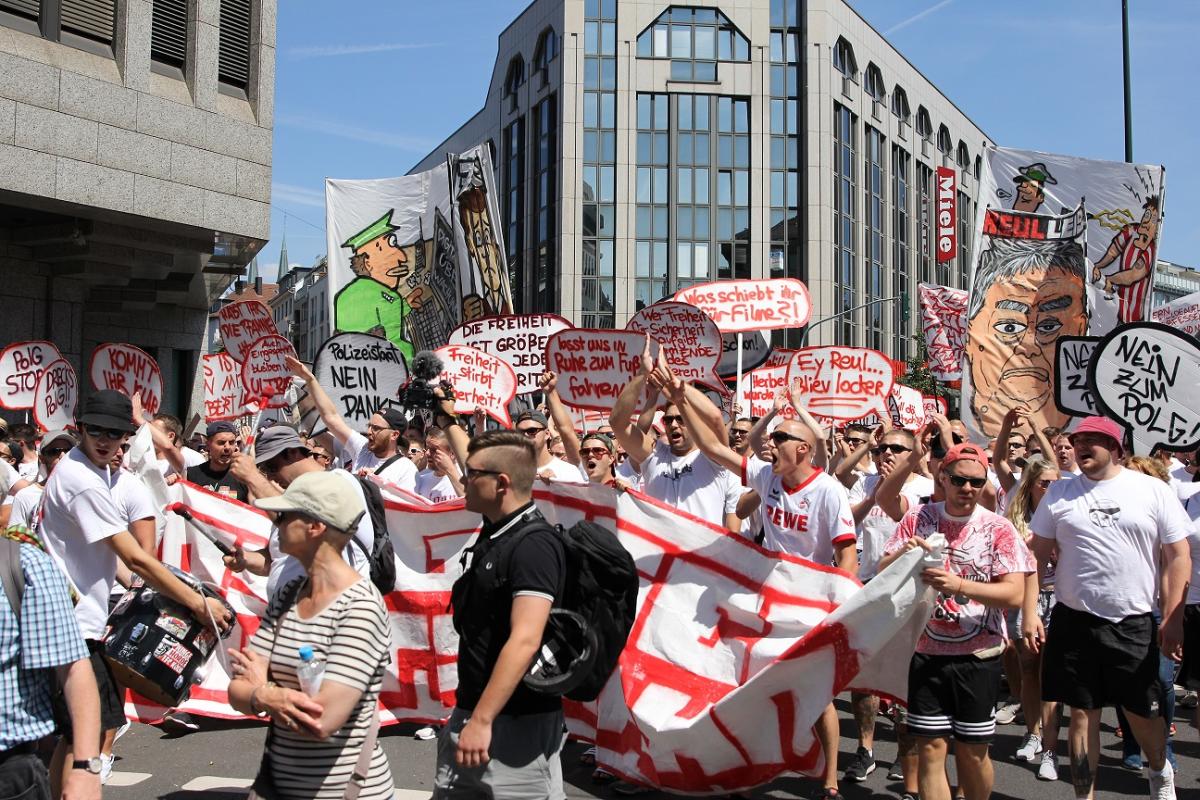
(323, 743)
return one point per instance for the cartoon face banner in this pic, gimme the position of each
(1063, 246)
(412, 258)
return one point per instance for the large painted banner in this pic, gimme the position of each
(1063, 246)
(734, 653)
(944, 323)
(412, 258)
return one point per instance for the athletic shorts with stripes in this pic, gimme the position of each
(953, 696)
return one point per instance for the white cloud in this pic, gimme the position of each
(297, 195)
(337, 50)
(904, 23)
(413, 144)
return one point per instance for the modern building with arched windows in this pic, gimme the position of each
(643, 146)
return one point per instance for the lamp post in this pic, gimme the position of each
(902, 297)
(1128, 92)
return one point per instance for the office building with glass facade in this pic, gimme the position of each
(642, 147)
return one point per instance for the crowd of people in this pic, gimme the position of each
(1066, 570)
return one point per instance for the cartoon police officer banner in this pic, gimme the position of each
(412, 258)
(1063, 246)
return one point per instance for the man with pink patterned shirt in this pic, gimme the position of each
(954, 675)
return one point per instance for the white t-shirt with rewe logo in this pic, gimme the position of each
(1108, 534)
(805, 520)
(877, 527)
(691, 483)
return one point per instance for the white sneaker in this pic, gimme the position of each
(1031, 747)
(1048, 769)
(1007, 713)
(1162, 787)
(121, 731)
(426, 733)
(106, 765)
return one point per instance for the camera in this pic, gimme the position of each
(419, 393)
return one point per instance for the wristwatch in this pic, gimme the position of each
(92, 765)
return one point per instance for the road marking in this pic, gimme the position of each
(207, 783)
(126, 778)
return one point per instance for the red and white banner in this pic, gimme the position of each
(751, 305)
(734, 653)
(945, 222)
(128, 370)
(944, 323)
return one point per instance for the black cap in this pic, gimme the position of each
(533, 416)
(394, 418)
(221, 427)
(275, 440)
(108, 408)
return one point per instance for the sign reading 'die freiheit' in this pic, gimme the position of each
(128, 370)
(844, 383)
(480, 380)
(751, 305)
(689, 339)
(361, 373)
(594, 365)
(519, 339)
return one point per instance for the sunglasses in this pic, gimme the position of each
(55, 452)
(96, 432)
(779, 437)
(321, 456)
(893, 448)
(594, 452)
(472, 472)
(530, 432)
(669, 419)
(855, 441)
(1044, 483)
(736, 432)
(960, 481)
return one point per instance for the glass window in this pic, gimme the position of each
(702, 112)
(681, 70)
(683, 154)
(681, 41)
(706, 42)
(685, 112)
(684, 194)
(701, 186)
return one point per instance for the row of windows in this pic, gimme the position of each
(598, 257)
(91, 25)
(545, 52)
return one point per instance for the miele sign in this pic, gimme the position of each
(946, 221)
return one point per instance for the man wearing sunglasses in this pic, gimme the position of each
(25, 501)
(954, 675)
(1121, 541)
(87, 535)
(853, 467)
(534, 426)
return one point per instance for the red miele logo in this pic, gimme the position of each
(947, 214)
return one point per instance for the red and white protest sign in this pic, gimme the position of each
(751, 305)
(594, 364)
(128, 370)
(907, 407)
(759, 388)
(1183, 314)
(934, 404)
(519, 339)
(845, 383)
(689, 339)
(242, 324)
(780, 357)
(20, 365)
(944, 323)
(946, 216)
(224, 394)
(480, 380)
(265, 375)
(56, 396)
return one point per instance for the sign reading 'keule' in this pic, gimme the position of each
(751, 305)
(244, 323)
(128, 370)
(56, 396)
(845, 383)
(361, 373)
(519, 339)
(480, 380)
(689, 338)
(20, 365)
(265, 373)
(593, 365)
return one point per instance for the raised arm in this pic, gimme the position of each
(162, 442)
(638, 443)
(887, 493)
(711, 443)
(329, 413)
(561, 417)
(1000, 449)
(821, 450)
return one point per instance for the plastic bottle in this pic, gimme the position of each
(310, 672)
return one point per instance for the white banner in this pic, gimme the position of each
(1183, 314)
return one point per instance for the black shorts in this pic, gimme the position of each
(1090, 662)
(1189, 671)
(953, 695)
(112, 696)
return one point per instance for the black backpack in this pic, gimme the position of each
(382, 555)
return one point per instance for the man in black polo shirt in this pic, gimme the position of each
(499, 727)
(214, 474)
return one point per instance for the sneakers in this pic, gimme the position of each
(426, 733)
(1132, 762)
(1031, 747)
(1190, 700)
(1162, 786)
(862, 766)
(1048, 769)
(121, 731)
(1007, 713)
(179, 722)
(106, 765)
(895, 772)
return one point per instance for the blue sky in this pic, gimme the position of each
(366, 88)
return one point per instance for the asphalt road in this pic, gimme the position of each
(219, 762)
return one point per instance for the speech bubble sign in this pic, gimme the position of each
(755, 352)
(519, 339)
(1182, 314)
(751, 305)
(1072, 394)
(480, 380)
(907, 407)
(265, 375)
(361, 373)
(128, 370)
(224, 393)
(689, 339)
(56, 396)
(934, 404)
(594, 364)
(844, 383)
(20, 365)
(759, 387)
(780, 357)
(1146, 376)
(242, 324)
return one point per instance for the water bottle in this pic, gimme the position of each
(310, 672)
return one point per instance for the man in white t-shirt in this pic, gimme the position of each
(26, 502)
(1106, 530)
(1064, 455)
(86, 534)
(534, 426)
(382, 451)
(441, 481)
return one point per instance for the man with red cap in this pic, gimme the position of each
(1105, 530)
(954, 675)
